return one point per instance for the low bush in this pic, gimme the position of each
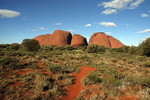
(14, 46)
(133, 50)
(95, 49)
(30, 45)
(55, 68)
(11, 63)
(146, 64)
(146, 82)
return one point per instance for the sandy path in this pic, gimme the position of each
(74, 90)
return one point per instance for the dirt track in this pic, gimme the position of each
(74, 90)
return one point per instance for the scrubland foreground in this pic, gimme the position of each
(47, 74)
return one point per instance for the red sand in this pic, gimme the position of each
(129, 98)
(40, 64)
(74, 90)
(16, 84)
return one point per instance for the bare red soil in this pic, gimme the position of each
(14, 84)
(40, 64)
(74, 90)
(129, 98)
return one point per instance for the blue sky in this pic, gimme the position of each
(126, 20)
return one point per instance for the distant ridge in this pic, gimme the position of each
(63, 38)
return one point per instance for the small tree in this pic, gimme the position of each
(30, 45)
(145, 47)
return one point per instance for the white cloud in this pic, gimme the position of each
(71, 30)
(108, 33)
(109, 11)
(144, 31)
(88, 25)
(58, 23)
(8, 13)
(41, 28)
(119, 4)
(108, 24)
(135, 4)
(144, 15)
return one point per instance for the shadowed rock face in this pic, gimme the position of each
(58, 38)
(104, 40)
(78, 40)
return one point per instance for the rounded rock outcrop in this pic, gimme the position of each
(115, 43)
(100, 38)
(61, 38)
(78, 40)
(58, 38)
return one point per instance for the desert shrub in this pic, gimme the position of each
(83, 48)
(68, 48)
(101, 49)
(122, 49)
(4, 47)
(47, 48)
(42, 82)
(14, 46)
(145, 47)
(92, 48)
(55, 68)
(146, 64)
(10, 62)
(146, 82)
(134, 50)
(91, 79)
(30, 45)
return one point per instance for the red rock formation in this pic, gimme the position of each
(58, 38)
(114, 42)
(78, 40)
(100, 39)
(104, 40)
(61, 38)
(44, 39)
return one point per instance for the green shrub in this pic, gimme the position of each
(124, 49)
(146, 64)
(134, 50)
(146, 82)
(10, 62)
(55, 68)
(92, 48)
(15, 46)
(47, 48)
(145, 47)
(91, 79)
(30, 45)
(83, 48)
